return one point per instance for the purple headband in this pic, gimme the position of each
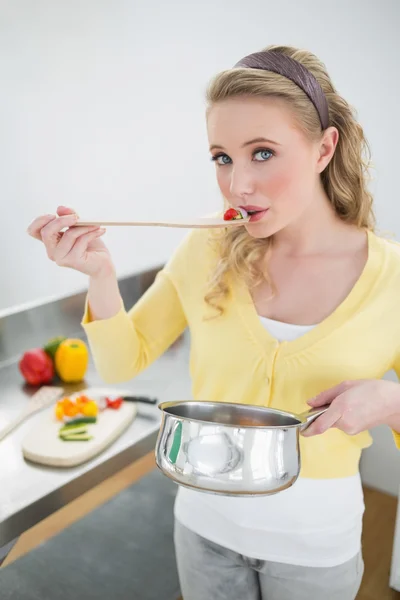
(291, 69)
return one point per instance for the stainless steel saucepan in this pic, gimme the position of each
(231, 449)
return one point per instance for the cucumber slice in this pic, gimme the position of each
(80, 421)
(76, 429)
(76, 437)
(74, 432)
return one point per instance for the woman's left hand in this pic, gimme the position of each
(356, 406)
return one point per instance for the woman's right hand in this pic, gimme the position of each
(78, 248)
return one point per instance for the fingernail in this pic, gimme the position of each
(308, 431)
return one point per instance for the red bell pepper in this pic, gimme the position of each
(114, 403)
(36, 367)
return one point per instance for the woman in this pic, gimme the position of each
(300, 305)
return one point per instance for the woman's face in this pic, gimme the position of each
(264, 162)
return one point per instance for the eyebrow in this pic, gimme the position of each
(249, 143)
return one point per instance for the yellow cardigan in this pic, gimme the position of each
(235, 359)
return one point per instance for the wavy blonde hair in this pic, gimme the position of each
(345, 178)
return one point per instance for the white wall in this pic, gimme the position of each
(380, 464)
(102, 108)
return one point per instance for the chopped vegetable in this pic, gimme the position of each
(82, 400)
(101, 403)
(59, 412)
(232, 214)
(66, 402)
(79, 421)
(76, 437)
(71, 410)
(67, 409)
(90, 409)
(114, 403)
(66, 430)
(77, 430)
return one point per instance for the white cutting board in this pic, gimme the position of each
(42, 444)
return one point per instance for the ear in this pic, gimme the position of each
(327, 147)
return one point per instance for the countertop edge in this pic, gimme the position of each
(17, 523)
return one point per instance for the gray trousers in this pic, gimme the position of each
(208, 571)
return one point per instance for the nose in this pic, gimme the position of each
(242, 182)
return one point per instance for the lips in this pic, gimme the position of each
(257, 216)
(255, 213)
(252, 208)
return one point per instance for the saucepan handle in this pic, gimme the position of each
(311, 415)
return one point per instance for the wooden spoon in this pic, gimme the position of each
(199, 223)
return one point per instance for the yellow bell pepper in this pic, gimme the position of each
(71, 360)
(59, 410)
(90, 409)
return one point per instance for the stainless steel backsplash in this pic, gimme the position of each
(32, 327)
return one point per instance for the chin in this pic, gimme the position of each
(259, 230)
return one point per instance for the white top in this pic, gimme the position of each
(315, 523)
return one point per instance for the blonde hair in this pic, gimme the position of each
(344, 179)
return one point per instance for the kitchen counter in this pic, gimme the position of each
(31, 492)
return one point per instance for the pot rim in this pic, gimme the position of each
(163, 406)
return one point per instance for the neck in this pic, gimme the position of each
(317, 230)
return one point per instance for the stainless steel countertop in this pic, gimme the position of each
(30, 492)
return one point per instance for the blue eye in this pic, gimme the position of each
(221, 159)
(263, 155)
